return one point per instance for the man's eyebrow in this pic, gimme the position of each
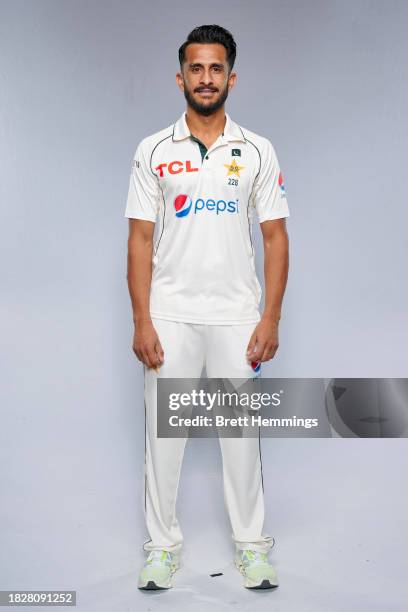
(214, 64)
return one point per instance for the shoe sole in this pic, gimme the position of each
(265, 584)
(153, 586)
(150, 585)
(251, 584)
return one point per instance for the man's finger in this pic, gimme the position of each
(153, 357)
(159, 351)
(251, 344)
(269, 352)
(146, 358)
(260, 349)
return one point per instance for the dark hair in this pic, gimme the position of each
(207, 34)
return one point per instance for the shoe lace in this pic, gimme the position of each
(159, 557)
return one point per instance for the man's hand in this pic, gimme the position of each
(146, 345)
(264, 340)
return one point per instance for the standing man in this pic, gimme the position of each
(194, 290)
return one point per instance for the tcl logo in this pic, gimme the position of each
(175, 167)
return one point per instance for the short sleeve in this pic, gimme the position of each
(269, 197)
(143, 196)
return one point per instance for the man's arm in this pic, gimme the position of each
(146, 343)
(276, 265)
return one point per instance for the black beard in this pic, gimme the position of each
(204, 109)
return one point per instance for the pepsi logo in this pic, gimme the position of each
(281, 184)
(182, 205)
(256, 366)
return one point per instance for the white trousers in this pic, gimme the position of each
(187, 349)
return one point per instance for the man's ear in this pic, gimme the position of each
(180, 81)
(232, 79)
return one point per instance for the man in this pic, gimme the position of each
(194, 291)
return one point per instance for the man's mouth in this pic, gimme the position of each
(206, 91)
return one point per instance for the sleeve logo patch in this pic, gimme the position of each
(281, 185)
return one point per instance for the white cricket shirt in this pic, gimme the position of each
(203, 257)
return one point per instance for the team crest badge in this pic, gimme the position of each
(234, 169)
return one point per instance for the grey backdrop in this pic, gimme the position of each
(80, 84)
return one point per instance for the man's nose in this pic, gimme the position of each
(206, 77)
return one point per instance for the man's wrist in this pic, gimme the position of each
(271, 317)
(139, 319)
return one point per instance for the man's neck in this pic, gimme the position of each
(206, 129)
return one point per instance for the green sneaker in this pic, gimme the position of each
(157, 571)
(256, 569)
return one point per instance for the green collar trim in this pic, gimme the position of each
(203, 148)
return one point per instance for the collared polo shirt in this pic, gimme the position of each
(203, 204)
